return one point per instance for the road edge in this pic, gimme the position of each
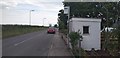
(65, 41)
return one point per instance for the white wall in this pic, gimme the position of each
(91, 40)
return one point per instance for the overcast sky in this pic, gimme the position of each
(17, 11)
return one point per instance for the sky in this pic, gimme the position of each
(18, 11)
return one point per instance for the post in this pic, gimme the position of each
(67, 11)
(43, 21)
(30, 16)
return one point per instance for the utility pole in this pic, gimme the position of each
(30, 16)
(43, 21)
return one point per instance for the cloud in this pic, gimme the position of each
(7, 4)
(39, 3)
(14, 9)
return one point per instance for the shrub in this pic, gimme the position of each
(74, 37)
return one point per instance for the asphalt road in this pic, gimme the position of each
(31, 44)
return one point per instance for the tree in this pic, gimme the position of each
(94, 10)
(61, 25)
(118, 36)
(63, 18)
(108, 12)
(50, 25)
(119, 26)
(56, 25)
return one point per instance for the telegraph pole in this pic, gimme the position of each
(43, 21)
(30, 16)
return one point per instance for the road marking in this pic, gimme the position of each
(18, 43)
(25, 40)
(50, 48)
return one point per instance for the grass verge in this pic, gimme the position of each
(14, 30)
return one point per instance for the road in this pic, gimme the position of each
(31, 44)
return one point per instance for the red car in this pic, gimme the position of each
(51, 30)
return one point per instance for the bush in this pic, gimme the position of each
(74, 37)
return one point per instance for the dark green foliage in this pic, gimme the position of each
(62, 19)
(117, 33)
(61, 25)
(109, 12)
(50, 25)
(64, 31)
(95, 10)
(74, 37)
(56, 25)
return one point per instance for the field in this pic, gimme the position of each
(14, 30)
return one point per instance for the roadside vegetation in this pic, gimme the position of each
(77, 50)
(14, 30)
(109, 14)
(113, 43)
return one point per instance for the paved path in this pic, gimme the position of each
(58, 47)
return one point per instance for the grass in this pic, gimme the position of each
(14, 30)
(112, 47)
(77, 51)
(64, 31)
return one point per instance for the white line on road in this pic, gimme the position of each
(21, 42)
(18, 43)
(25, 41)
